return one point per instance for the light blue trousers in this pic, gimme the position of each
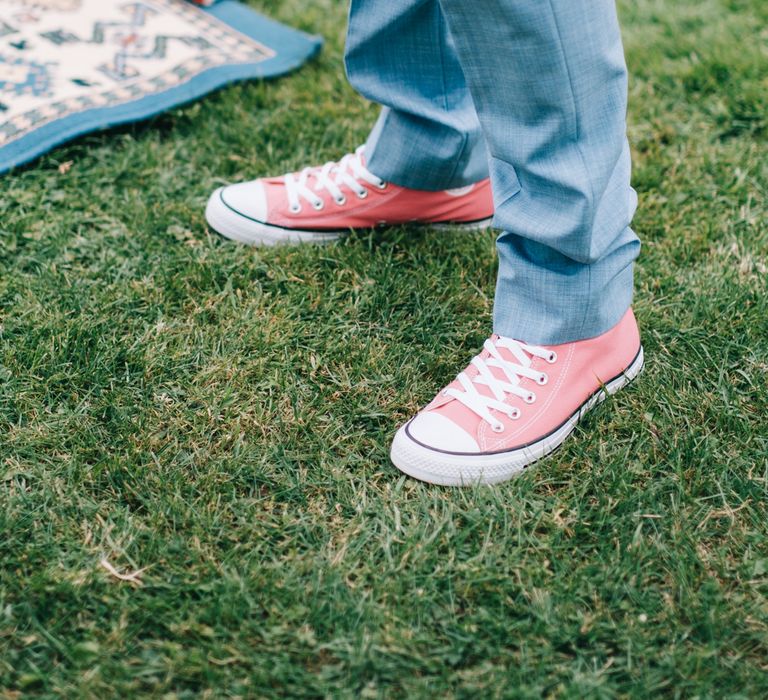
(534, 93)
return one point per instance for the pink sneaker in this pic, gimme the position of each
(320, 204)
(513, 405)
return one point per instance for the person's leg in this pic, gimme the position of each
(425, 160)
(549, 84)
(400, 54)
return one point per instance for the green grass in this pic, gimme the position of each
(222, 417)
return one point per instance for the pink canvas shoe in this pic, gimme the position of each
(513, 405)
(320, 204)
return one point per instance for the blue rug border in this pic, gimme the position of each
(295, 47)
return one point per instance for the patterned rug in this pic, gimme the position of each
(72, 66)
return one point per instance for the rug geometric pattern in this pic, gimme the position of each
(68, 61)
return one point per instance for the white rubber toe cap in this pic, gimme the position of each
(435, 430)
(247, 199)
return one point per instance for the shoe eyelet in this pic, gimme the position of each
(362, 194)
(381, 185)
(542, 379)
(530, 398)
(498, 428)
(552, 357)
(341, 201)
(296, 209)
(319, 205)
(515, 414)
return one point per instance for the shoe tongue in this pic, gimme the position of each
(472, 372)
(459, 413)
(332, 175)
(506, 355)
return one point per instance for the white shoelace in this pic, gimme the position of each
(349, 171)
(513, 372)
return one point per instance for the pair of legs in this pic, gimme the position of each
(533, 94)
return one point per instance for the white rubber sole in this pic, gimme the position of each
(240, 228)
(447, 469)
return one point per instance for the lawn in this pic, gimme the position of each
(218, 418)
